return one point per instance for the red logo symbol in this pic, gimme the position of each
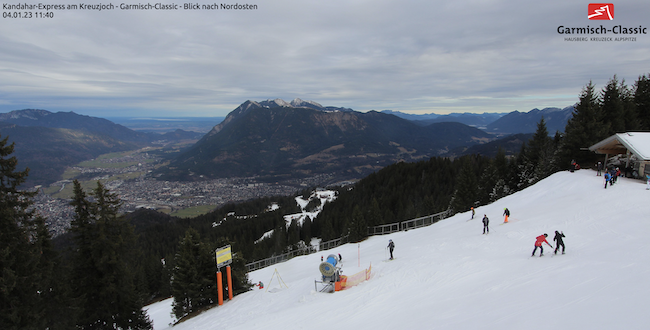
(601, 11)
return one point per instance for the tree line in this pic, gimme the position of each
(101, 273)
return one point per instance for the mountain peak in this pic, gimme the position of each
(33, 114)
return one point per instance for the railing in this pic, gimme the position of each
(372, 231)
(277, 259)
(333, 243)
(406, 225)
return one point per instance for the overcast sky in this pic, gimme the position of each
(408, 55)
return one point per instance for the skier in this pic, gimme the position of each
(260, 284)
(607, 179)
(558, 241)
(647, 183)
(506, 212)
(473, 212)
(538, 244)
(340, 258)
(391, 246)
(486, 221)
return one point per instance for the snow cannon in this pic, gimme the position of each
(328, 268)
(331, 273)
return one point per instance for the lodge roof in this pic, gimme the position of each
(638, 143)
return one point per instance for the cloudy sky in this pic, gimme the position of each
(408, 55)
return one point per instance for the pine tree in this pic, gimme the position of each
(488, 181)
(374, 217)
(613, 105)
(305, 230)
(358, 229)
(584, 129)
(525, 170)
(642, 101)
(53, 288)
(104, 264)
(465, 194)
(19, 276)
(193, 276)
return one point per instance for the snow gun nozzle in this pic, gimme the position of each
(328, 268)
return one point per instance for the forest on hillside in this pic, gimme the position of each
(110, 265)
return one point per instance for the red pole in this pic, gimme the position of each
(219, 289)
(229, 283)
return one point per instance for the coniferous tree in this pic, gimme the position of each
(584, 129)
(193, 276)
(104, 263)
(54, 292)
(293, 233)
(357, 227)
(19, 276)
(487, 182)
(525, 170)
(541, 152)
(374, 217)
(305, 230)
(613, 105)
(465, 194)
(642, 101)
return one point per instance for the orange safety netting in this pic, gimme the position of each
(350, 281)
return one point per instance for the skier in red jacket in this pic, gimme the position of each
(538, 244)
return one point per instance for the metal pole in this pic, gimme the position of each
(219, 289)
(229, 283)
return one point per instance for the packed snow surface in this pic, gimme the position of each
(450, 276)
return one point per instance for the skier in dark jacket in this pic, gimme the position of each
(391, 246)
(538, 244)
(558, 241)
(486, 221)
(506, 212)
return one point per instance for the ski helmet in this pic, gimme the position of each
(545, 234)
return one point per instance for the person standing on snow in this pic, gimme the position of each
(607, 179)
(473, 212)
(647, 183)
(486, 221)
(538, 244)
(558, 241)
(391, 246)
(600, 169)
(506, 212)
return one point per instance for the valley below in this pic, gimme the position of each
(128, 174)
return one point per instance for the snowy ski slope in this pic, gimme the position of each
(450, 276)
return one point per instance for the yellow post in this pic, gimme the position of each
(229, 283)
(219, 289)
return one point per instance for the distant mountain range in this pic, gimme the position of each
(275, 139)
(469, 119)
(500, 123)
(47, 143)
